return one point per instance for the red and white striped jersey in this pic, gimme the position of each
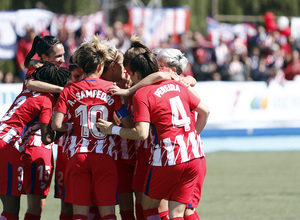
(29, 107)
(32, 137)
(168, 107)
(88, 100)
(125, 148)
(202, 154)
(62, 141)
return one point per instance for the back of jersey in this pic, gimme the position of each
(168, 106)
(88, 100)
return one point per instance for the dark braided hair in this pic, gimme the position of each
(144, 64)
(52, 74)
(41, 45)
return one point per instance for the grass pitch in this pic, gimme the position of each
(238, 186)
(251, 185)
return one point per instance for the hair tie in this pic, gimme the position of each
(127, 59)
(52, 46)
(115, 57)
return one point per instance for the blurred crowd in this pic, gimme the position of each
(269, 55)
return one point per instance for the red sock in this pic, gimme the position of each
(63, 216)
(94, 213)
(164, 215)
(196, 216)
(139, 212)
(178, 218)
(190, 217)
(29, 216)
(109, 217)
(127, 215)
(9, 216)
(152, 214)
(80, 217)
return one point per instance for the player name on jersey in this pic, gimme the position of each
(166, 88)
(93, 93)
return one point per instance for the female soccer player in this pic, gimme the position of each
(90, 151)
(175, 59)
(66, 212)
(179, 63)
(49, 49)
(177, 151)
(27, 108)
(133, 155)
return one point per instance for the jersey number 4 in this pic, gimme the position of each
(179, 115)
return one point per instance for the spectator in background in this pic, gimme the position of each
(293, 67)
(222, 51)
(236, 69)
(24, 46)
(1, 76)
(205, 59)
(9, 77)
(254, 57)
(259, 72)
(274, 63)
(238, 45)
(186, 45)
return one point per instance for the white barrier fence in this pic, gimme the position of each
(251, 104)
(233, 105)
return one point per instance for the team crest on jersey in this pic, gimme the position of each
(19, 186)
(43, 185)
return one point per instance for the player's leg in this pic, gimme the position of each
(11, 206)
(11, 177)
(38, 170)
(139, 177)
(125, 193)
(35, 206)
(138, 205)
(104, 184)
(191, 212)
(150, 207)
(176, 210)
(163, 209)
(66, 211)
(78, 185)
(80, 212)
(183, 191)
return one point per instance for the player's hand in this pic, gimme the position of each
(35, 63)
(116, 90)
(104, 126)
(184, 81)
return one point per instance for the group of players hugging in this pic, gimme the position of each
(127, 129)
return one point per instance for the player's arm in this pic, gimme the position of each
(139, 132)
(39, 86)
(58, 124)
(203, 113)
(151, 79)
(48, 134)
